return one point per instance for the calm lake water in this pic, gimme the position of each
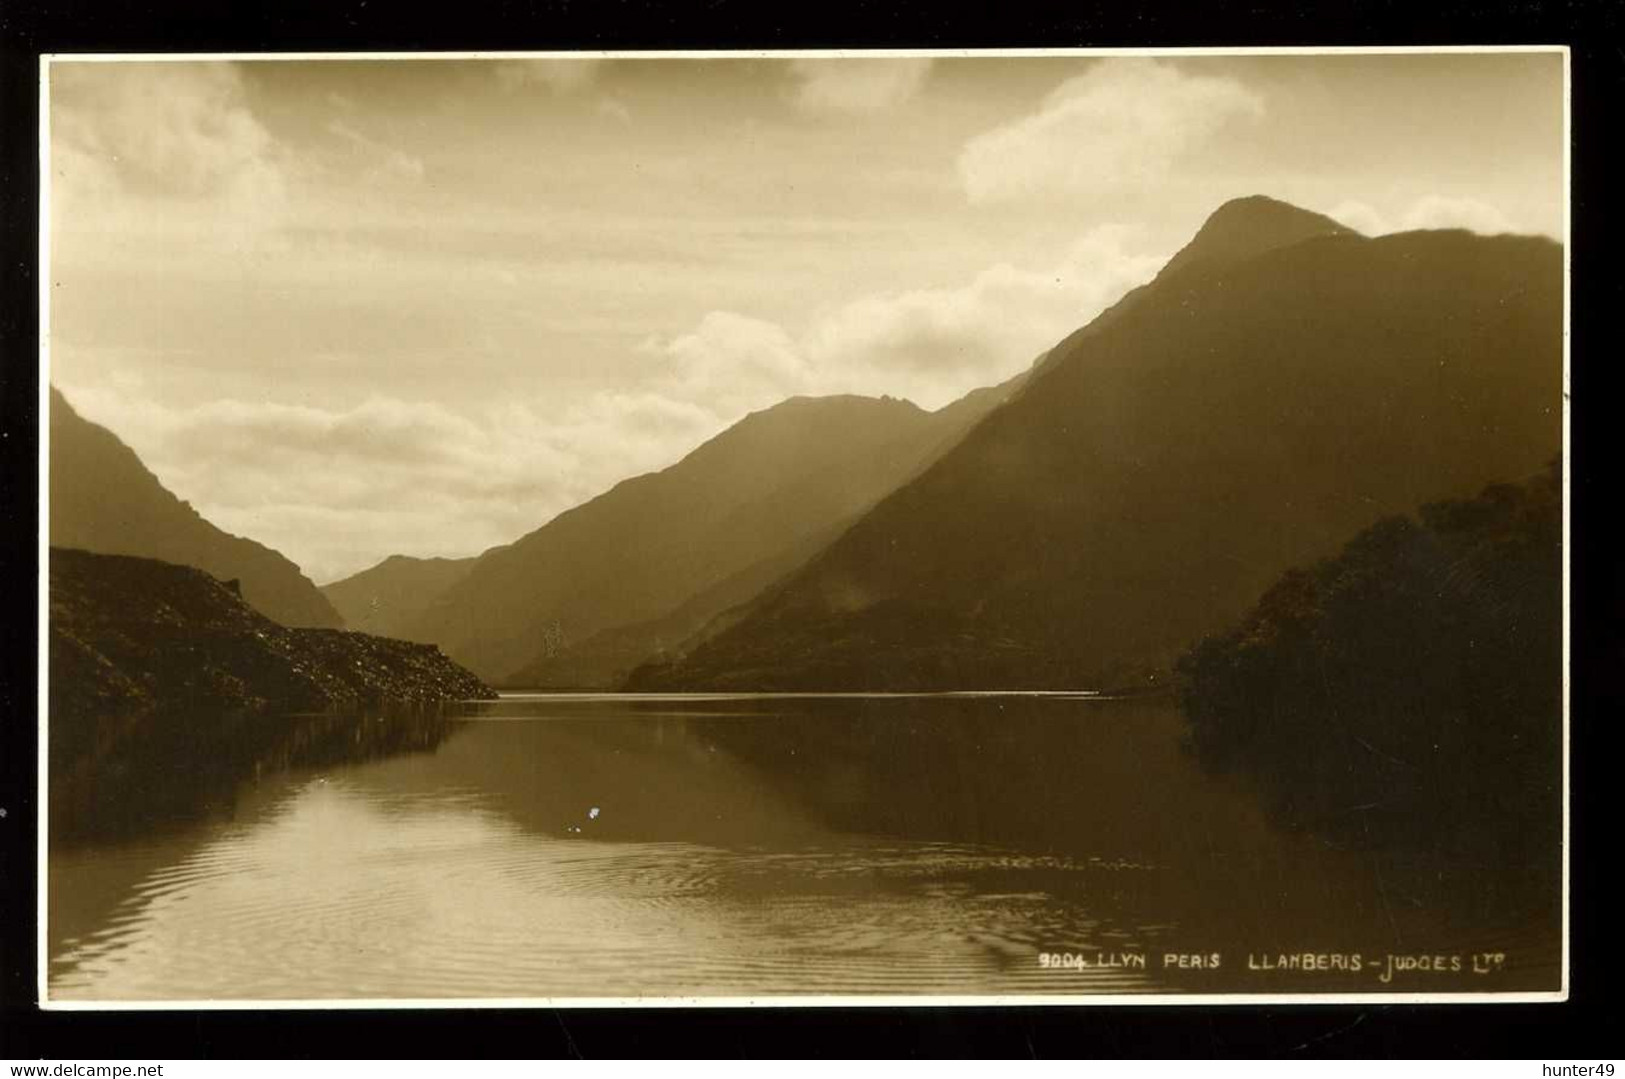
(554, 846)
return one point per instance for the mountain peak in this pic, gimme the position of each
(809, 411)
(839, 402)
(1244, 227)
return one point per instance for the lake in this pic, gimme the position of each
(747, 846)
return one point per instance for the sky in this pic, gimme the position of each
(359, 308)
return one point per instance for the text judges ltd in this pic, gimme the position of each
(1385, 967)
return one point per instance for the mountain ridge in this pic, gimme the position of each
(1400, 353)
(1252, 225)
(752, 499)
(104, 499)
(387, 598)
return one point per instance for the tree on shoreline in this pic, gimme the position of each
(1407, 692)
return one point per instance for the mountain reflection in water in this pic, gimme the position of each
(738, 846)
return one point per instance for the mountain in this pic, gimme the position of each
(390, 598)
(1240, 229)
(1410, 688)
(165, 684)
(1280, 386)
(140, 634)
(1247, 227)
(653, 559)
(104, 499)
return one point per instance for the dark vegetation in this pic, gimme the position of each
(166, 688)
(1283, 384)
(1407, 692)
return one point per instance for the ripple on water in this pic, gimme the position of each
(336, 893)
(443, 875)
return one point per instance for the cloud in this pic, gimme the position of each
(1125, 123)
(733, 363)
(936, 344)
(1440, 212)
(562, 75)
(181, 136)
(615, 110)
(383, 161)
(931, 345)
(1427, 212)
(1360, 217)
(336, 489)
(338, 486)
(857, 84)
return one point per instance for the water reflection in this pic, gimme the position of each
(187, 765)
(739, 847)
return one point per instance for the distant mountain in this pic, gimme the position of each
(390, 598)
(104, 499)
(583, 599)
(1282, 384)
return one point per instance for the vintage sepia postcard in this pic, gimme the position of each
(804, 527)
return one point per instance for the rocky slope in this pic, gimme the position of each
(158, 670)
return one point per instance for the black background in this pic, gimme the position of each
(1558, 1033)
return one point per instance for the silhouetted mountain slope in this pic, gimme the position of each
(389, 598)
(1240, 229)
(603, 660)
(104, 499)
(1409, 690)
(1234, 418)
(160, 671)
(706, 533)
(1248, 227)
